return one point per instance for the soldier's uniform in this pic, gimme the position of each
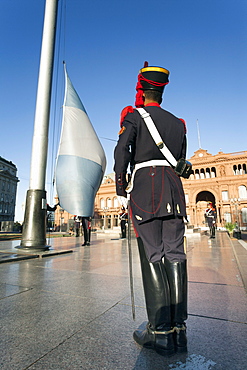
(210, 215)
(157, 205)
(157, 190)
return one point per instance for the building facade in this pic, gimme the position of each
(8, 188)
(220, 178)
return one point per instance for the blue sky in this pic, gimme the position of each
(104, 44)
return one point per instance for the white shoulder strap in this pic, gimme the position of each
(156, 136)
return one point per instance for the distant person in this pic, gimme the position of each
(86, 226)
(210, 216)
(123, 216)
(77, 225)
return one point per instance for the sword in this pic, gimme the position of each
(130, 262)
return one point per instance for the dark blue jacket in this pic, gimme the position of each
(157, 191)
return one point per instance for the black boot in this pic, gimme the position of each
(177, 276)
(213, 232)
(158, 334)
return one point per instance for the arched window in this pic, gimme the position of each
(213, 172)
(108, 202)
(207, 173)
(197, 175)
(186, 198)
(192, 176)
(102, 203)
(202, 174)
(242, 192)
(236, 170)
(115, 202)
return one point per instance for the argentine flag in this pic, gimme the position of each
(81, 159)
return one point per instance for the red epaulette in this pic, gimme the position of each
(185, 128)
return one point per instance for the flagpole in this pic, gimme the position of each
(34, 226)
(198, 133)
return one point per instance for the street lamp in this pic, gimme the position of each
(236, 203)
(61, 210)
(105, 209)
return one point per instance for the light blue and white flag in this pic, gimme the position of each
(81, 159)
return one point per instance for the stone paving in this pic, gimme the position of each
(71, 308)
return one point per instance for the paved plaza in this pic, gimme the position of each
(70, 308)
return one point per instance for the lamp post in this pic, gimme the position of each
(61, 218)
(105, 209)
(236, 202)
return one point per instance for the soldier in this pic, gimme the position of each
(77, 223)
(123, 216)
(210, 215)
(157, 208)
(86, 225)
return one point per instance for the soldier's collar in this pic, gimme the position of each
(154, 104)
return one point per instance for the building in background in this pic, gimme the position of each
(8, 188)
(220, 178)
(107, 207)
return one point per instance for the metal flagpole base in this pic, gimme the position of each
(34, 226)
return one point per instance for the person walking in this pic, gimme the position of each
(157, 209)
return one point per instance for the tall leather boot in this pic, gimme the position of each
(158, 334)
(213, 231)
(177, 277)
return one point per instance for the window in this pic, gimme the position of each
(213, 172)
(115, 202)
(239, 169)
(227, 217)
(207, 173)
(224, 194)
(242, 192)
(186, 198)
(202, 174)
(102, 203)
(108, 202)
(197, 175)
(244, 215)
